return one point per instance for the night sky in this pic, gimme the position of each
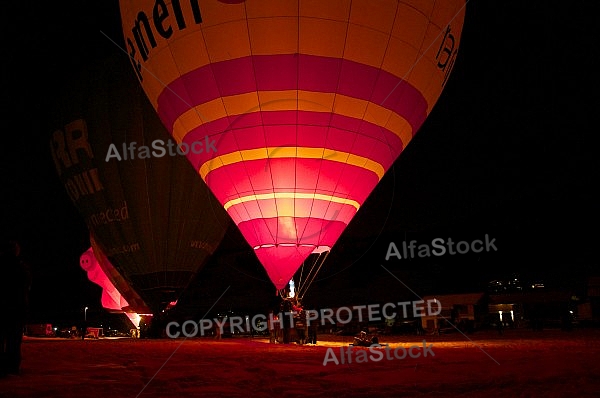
(508, 151)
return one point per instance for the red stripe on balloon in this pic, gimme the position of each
(296, 136)
(304, 208)
(312, 232)
(257, 177)
(292, 230)
(291, 72)
(308, 118)
(368, 140)
(280, 272)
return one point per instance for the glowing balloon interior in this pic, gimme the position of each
(135, 303)
(111, 298)
(309, 103)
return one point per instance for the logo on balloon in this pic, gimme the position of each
(446, 55)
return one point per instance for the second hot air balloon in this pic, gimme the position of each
(301, 106)
(149, 213)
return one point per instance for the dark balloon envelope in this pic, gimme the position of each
(151, 215)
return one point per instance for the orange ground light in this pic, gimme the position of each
(517, 364)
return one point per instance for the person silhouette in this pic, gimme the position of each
(15, 283)
(286, 311)
(312, 324)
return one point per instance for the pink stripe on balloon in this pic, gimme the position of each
(290, 230)
(276, 72)
(280, 72)
(257, 177)
(233, 77)
(280, 272)
(370, 141)
(304, 208)
(333, 139)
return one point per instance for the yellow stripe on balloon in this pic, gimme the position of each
(291, 152)
(292, 195)
(291, 100)
(396, 36)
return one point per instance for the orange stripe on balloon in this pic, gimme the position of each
(295, 206)
(240, 104)
(292, 195)
(362, 31)
(291, 152)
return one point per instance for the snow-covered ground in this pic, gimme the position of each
(549, 363)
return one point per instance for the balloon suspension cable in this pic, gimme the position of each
(302, 289)
(301, 274)
(309, 277)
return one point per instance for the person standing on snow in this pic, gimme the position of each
(15, 283)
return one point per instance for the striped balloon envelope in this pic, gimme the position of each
(292, 110)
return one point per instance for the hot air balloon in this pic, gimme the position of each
(111, 299)
(308, 103)
(150, 215)
(134, 302)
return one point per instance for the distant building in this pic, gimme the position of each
(464, 311)
(535, 308)
(588, 311)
